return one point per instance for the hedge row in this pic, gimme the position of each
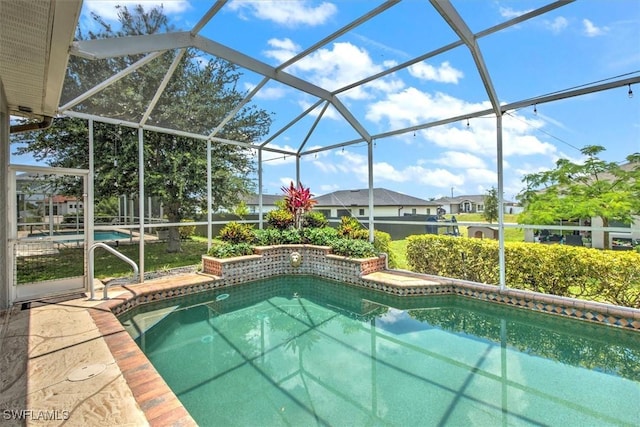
(577, 272)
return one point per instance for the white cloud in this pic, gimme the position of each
(411, 107)
(356, 165)
(107, 8)
(328, 188)
(507, 12)
(270, 158)
(269, 93)
(445, 73)
(333, 68)
(285, 181)
(288, 13)
(590, 30)
(481, 176)
(557, 25)
(282, 49)
(457, 159)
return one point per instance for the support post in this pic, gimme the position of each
(141, 202)
(89, 199)
(209, 197)
(501, 259)
(260, 215)
(371, 207)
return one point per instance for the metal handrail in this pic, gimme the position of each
(91, 272)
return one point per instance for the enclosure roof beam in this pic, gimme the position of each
(266, 70)
(455, 21)
(130, 45)
(163, 85)
(450, 46)
(106, 48)
(292, 122)
(135, 125)
(386, 5)
(315, 123)
(237, 108)
(111, 80)
(207, 16)
(570, 93)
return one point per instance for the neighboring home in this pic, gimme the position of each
(63, 205)
(386, 203)
(33, 191)
(473, 204)
(268, 202)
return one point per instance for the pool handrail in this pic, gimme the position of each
(91, 267)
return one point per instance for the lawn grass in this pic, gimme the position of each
(69, 262)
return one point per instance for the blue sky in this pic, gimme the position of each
(581, 43)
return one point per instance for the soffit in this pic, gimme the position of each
(34, 45)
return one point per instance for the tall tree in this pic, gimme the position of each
(574, 191)
(490, 212)
(199, 95)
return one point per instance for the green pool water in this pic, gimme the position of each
(303, 352)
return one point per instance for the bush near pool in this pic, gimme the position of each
(596, 275)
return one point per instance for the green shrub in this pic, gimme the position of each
(235, 232)
(353, 248)
(186, 231)
(220, 249)
(350, 228)
(606, 276)
(268, 236)
(280, 219)
(314, 219)
(291, 236)
(320, 236)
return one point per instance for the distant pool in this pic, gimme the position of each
(307, 351)
(98, 236)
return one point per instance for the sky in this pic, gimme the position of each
(578, 44)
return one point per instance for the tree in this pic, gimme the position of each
(574, 191)
(490, 212)
(197, 98)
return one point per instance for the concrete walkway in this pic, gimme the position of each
(56, 369)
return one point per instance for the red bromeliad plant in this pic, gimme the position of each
(298, 200)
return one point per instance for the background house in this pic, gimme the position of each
(268, 202)
(473, 204)
(386, 203)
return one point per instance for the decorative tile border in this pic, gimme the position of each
(274, 261)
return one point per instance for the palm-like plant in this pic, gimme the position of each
(298, 200)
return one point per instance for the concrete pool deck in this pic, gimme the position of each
(47, 347)
(69, 361)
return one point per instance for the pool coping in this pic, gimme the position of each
(161, 406)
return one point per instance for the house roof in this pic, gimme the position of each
(381, 197)
(58, 198)
(267, 199)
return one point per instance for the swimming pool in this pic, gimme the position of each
(303, 350)
(98, 236)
